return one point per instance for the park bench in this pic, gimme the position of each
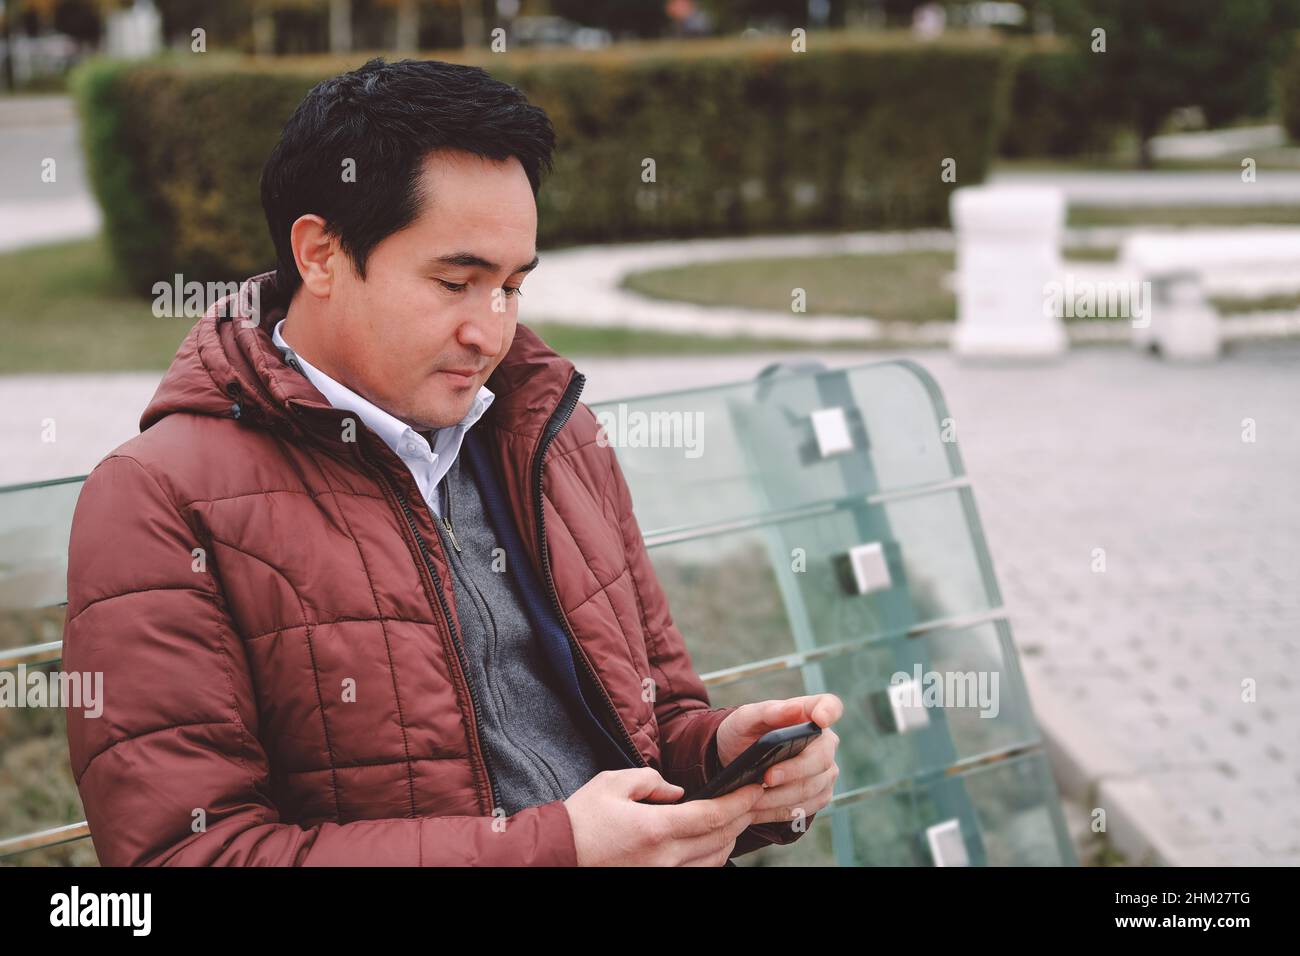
(814, 531)
(1182, 266)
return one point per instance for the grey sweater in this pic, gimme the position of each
(537, 751)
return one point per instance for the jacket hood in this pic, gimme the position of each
(228, 366)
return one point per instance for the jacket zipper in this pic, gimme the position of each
(447, 512)
(451, 627)
(553, 425)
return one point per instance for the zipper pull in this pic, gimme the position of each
(452, 533)
(446, 508)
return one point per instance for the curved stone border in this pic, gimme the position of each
(581, 286)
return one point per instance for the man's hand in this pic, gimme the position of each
(803, 784)
(610, 828)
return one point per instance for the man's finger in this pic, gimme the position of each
(702, 816)
(697, 850)
(768, 715)
(804, 792)
(812, 760)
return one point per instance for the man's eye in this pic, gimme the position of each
(512, 290)
(453, 286)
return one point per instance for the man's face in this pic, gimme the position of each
(398, 336)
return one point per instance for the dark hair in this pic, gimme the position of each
(387, 117)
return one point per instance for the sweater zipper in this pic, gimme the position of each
(451, 627)
(446, 521)
(553, 425)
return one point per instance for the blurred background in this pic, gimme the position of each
(968, 185)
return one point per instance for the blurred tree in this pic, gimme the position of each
(82, 20)
(733, 16)
(1164, 54)
(263, 28)
(407, 19)
(473, 31)
(223, 22)
(340, 26)
(898, 13)
(641, 18)
(408, 26)
(7, 31)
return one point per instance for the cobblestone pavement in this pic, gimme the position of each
(1143, 664)
(1136, 670)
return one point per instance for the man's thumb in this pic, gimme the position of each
(646, 784)
(754, 720)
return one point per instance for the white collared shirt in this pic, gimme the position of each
(428, 465)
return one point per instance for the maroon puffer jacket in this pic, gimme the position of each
(233, 575)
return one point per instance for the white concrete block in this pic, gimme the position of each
(1008, 253)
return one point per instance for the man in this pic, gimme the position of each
(367, 589)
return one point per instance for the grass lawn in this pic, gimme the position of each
(1183, 216)
(1093, 253)
(1280, 302)
(902, 287)
(905, 286)
(64, 309)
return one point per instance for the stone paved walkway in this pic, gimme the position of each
(1137, 671)
(34, 129)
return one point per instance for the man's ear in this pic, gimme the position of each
(317, 253)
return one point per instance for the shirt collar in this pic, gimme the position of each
(404, 440)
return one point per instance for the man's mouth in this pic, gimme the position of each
(459, 377)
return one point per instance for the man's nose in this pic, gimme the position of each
(484, 330)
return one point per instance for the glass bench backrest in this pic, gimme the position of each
(815, 532)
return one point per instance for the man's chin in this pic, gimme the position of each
(438, 414)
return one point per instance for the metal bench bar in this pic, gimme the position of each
(657, 539)
(48, 653)
(795, 659)
(43, 839)
(52, 652)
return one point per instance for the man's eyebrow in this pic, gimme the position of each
(473, 261)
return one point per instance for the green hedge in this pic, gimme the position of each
(1289, 93)
(1056, 108)
(747, 137)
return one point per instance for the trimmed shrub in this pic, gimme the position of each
(1289, 93)
(1056, 108)
(746, 137)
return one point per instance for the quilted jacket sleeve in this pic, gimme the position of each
(172, 772)
(688, 726)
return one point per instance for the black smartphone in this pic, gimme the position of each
(749, 767)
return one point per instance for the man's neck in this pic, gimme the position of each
(297, 334)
